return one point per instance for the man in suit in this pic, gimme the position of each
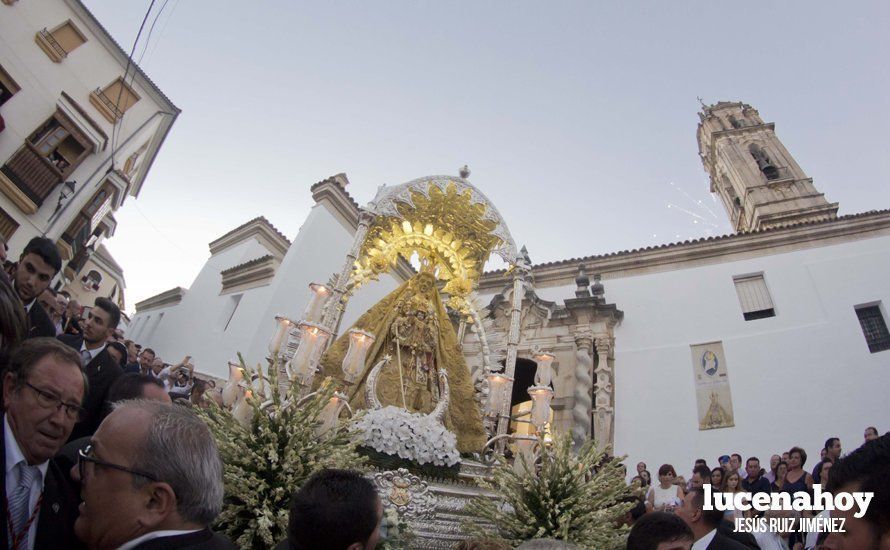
(335, 509)
(100, 367)
(140, 453)
(866, 469)
(43, 388)
(658, 531)
(706, 525)
(38, 265)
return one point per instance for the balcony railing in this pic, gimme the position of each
(107, 103)
(54, 44)
(32, 173)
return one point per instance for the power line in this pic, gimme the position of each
(114, 129)
(163, 29)
(151, 30)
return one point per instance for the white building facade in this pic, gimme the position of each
(751, 343)
(81, 127)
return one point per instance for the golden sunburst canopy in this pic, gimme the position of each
(451, 226)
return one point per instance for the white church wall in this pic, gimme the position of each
(196, 326)
(796, 378)
(318, 251)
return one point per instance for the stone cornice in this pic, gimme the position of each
(705, 251)
(167, 298)
(252, 274)
(331, 193)
(260, 228)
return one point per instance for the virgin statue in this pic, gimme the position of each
(412, 328)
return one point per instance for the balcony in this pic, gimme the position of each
(33, 175)
(106, 106)
(50, 45)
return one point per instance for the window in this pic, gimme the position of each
(8, 225)
(60, 41)
(229, 311)
(114, 100)
(49, 156)
(55, 142)
(754, 297)
(133, 161)
(874, 327)
(8, 87)
(91, 280)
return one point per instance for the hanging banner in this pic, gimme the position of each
(712, 386)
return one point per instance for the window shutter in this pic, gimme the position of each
(68, 37)
(753, 294)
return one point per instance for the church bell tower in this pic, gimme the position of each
(756, 178)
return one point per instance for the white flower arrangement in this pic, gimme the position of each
(408, 435)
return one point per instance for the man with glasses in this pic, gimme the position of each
(99, 366)
(43, 389)
(151, 478)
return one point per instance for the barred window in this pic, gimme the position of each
(874, 327)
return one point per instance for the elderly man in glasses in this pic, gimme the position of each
(151, 478)
(43, 389)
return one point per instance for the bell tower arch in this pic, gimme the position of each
(758, 181)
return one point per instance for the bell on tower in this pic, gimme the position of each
(758, 181)
(763, 162)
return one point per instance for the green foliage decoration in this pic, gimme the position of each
(566, 496)
(266, 462)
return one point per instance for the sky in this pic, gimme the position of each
(577, 119)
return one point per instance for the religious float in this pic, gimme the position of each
(430, 427)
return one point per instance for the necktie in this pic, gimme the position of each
(19, 509)
(86, 356)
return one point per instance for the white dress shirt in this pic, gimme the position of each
(93, 352)
(703, 542)
(14, 455)
(153, 535)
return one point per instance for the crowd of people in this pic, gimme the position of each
(103, 450)
(101, 445)
(671, 510)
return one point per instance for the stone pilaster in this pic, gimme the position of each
(604, 412)
(582, 409)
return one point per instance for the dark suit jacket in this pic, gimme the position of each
(39, 322)
(101, 373)
(723, 542)
(725, 532)
(204, 539)
(55, 525)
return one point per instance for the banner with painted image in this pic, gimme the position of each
(712, 386)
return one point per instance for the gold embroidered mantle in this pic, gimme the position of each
(406, 309)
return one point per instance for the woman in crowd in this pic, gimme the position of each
(198, 397)
(666, 495)
(717, 475)
(797, 479)
(733, 485)
(778, 486)
(646, 477)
